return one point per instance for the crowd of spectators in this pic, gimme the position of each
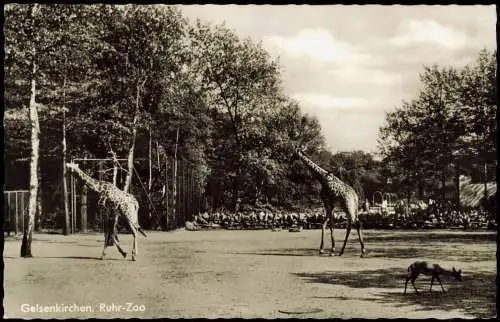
(432, 217)
(259, 219)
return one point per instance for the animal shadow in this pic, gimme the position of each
(475, 295)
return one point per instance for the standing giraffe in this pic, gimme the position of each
(334, 190)
(121, 203)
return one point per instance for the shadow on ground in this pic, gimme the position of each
(431, 237)
(70, 257)
(286, 252)
(390, 251)
(441, 254)
(476, 295)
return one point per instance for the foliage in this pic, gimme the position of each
(116, 69)
(447, 130)
(113, 69)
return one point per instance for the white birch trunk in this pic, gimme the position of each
(35, 146)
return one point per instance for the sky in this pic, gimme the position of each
(349, 65)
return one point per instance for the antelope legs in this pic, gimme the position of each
(439, 280)
(412, 283)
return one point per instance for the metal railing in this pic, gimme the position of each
(15, 208)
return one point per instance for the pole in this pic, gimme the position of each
(72, 202)
(165, 186)
(150, 166)
(22, 209)
(16, 221)
(83, 210)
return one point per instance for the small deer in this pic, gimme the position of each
(434, 270)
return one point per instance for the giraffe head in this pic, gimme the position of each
(297, 148)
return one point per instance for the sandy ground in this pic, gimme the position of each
(250, 274)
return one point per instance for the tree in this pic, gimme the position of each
(478, 96)
(428, 139)
(22, 48)
(240, 83)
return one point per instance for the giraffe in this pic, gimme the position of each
(334, 190)
(122, 203)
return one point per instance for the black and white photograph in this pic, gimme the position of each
(249, 161)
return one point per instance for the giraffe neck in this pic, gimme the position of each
(88, 180)
(317, 171)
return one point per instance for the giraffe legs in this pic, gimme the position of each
(107, 237)
(134, 249)
(328, 212)
(347, 232)
(359, 228)
(323, 227)
(331, 237)
(110, 234)
(124, 254)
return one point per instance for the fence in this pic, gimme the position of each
(167, 198)
(15, 208)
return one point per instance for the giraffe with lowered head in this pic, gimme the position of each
(333, 190)
(121, 203)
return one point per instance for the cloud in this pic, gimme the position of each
(325, 101)
(317, 44)
(349, 76)
(415, 32)
(357, 74)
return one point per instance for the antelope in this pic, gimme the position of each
(434, 270)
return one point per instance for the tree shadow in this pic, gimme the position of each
(476, 295)
(67, 257)
(285, 252)
(77, 257)
(82, 258)
(431, 237)
(443, 254)
(48, 241)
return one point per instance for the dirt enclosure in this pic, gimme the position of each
(249, 274)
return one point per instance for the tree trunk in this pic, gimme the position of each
(83, 210)
(130, 160)
(443, 184)
(115, 166)
(174, 177)
(115, 174)
(39, 203)
(150, 182)
(457, 185)
(166, 194)
(236, 191)
(35, 146)
(485, 180)
(64, 170)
